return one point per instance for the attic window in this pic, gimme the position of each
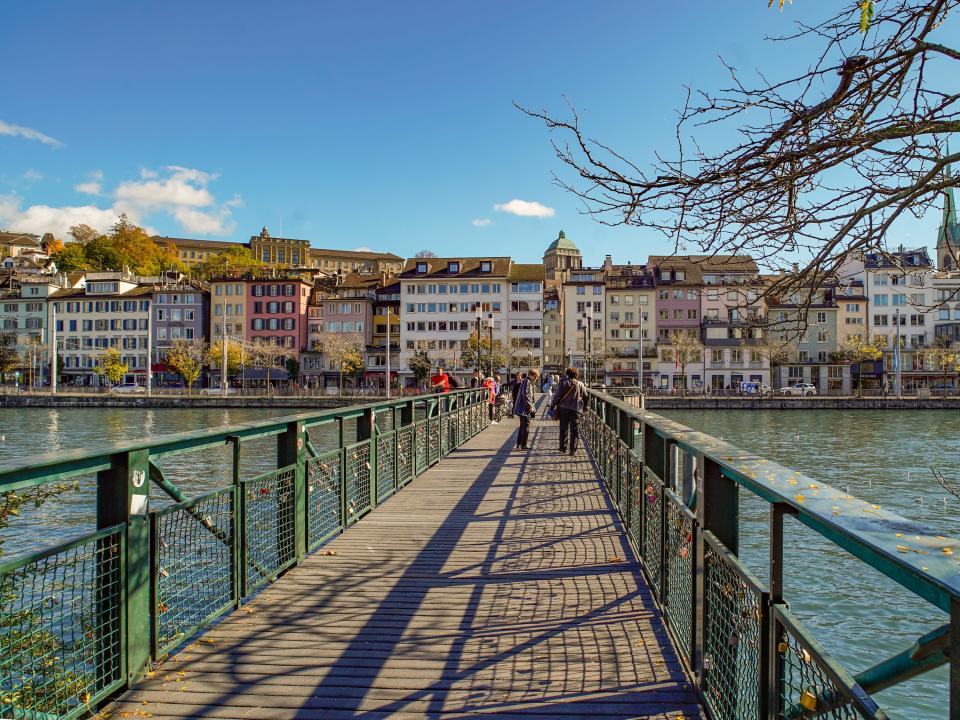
(453, 267)
(421, 268)
(679, 275)
(485, 266)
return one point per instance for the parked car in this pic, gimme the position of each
(799, 389)
(128, 389)
(217, 390)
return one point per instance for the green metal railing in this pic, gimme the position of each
(678, 494)
(86, 618)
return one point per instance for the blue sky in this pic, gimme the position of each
(382, 125)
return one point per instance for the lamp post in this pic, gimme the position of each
(587, 338)
(490, 330)
(476, 308)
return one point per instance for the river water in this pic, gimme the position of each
(857, 614)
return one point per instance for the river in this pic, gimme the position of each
(858, 615)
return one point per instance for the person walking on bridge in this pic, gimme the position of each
(523, 408)
(567, 403)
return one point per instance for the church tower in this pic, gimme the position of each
(561, 257)
(948, 239)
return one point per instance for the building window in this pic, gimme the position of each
(485, 266)
(421, 268)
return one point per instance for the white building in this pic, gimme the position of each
(109, 310)
(442, 300)
(583, 321)
(23, 314)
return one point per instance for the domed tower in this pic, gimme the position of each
(561, 257)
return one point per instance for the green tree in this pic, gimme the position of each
(685, 350)
(186, 358)
(344, 351)
(477, 354)
(111, 366)
(237, 355)
(420, 366)
(71, 257)
(234, 259)
(945, 357)
(9, 358)
(267, 354)
(293, 369)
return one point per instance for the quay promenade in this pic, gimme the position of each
(500, 583)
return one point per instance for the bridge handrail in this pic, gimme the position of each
(677, 491)
(86, 617)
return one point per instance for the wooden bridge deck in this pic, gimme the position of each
(498, 583)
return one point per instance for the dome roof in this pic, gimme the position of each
(562, 243)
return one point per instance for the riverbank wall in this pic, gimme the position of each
(654, 402)
(105, 400)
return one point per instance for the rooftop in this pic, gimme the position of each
(562, 243)
(468, 267)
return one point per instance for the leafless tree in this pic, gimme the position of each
(426, 254)
(825, 162)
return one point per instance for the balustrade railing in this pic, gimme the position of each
(678, 494)
(86, 618)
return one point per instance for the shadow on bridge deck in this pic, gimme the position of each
(499, 582)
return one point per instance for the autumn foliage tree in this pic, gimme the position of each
(126, 245)
(186, 359)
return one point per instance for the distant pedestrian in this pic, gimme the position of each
(523, 407)
(475, 380)
(454, 383)
(568, 399)
(490, 385)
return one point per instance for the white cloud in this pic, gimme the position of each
(525, 208)
(88, 188)
(481, 222)
(44, 218)
(177, 192)
(32, 175)
(362, 248)
(183, 186)
(28, 133)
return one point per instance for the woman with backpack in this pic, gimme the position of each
(523, 406)
(568, 400)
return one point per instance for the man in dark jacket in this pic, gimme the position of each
(523, 400)
(568, 401)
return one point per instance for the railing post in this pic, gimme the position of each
(954, 657)
(626, 485)
(718, 510)
(771, 660)
(238, 523)
(343, 474)
(122, 498)
(291, 450)
(367, 430)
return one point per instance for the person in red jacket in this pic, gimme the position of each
(491, 385)
(440, 382)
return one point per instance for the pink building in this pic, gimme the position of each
(276, 310)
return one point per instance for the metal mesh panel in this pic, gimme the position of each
(731, 655)
(420, 434)
(637, 500)
(652, 529)
(433, 433)
(323, 497)
(679, 566)
(404, 455)
(386, 466)
(444, 435)
(194, 546)
(807, 690)
(358, 480)
(269, 508)
(60, 633)
(461, 425)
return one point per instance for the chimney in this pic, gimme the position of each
(796, 267)
(608, 262)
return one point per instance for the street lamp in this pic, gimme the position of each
(587, 337)
(476, 308)
(490, 329)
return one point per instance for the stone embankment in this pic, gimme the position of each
(105, 400)
(658, 403)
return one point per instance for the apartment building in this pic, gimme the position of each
(584, 321)
(525, 315)
(23, 315)
(386, 309)
(347, 313)
(554, 351)
(441, 300)
(630, 300)
(946, 296)
(228, 309)
(180, 309)
(108, 310)
(276, 312)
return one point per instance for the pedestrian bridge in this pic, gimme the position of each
(423, 567)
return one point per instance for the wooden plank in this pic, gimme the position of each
(497, 583)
